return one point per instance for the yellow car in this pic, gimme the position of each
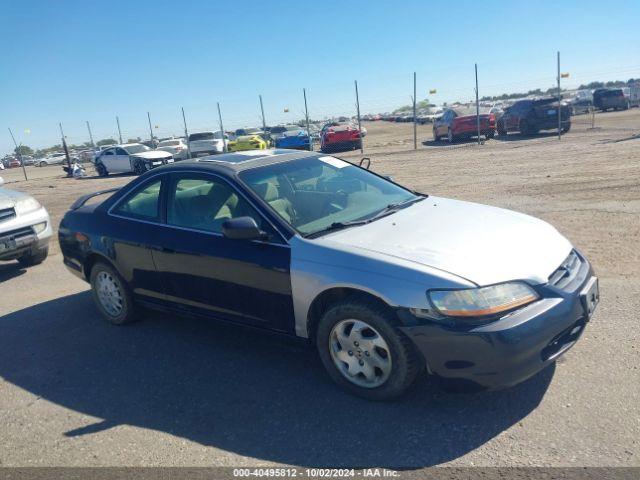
(247, 142)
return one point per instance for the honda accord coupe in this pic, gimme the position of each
(386, 282)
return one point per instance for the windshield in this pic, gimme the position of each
(314, 194)
(132, 149)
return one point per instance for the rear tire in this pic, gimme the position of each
(139, 168)
(566, 128)
(35, 258)
(112, 295)
(356, 338)
(490, 135)
(42, 164)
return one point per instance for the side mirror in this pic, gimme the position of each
(242, 228)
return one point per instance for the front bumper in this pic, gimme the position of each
(18, 237)
(507, 351)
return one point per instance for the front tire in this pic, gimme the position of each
(364, 352)
(101, 169)
(112, 295)
(42, 164)
(34, 258)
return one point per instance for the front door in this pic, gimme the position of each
(246, 281)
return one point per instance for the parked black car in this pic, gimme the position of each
(530, 116)
(610, 98)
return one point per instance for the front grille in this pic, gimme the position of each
(567, 271)
(7, 214)
(17, 234)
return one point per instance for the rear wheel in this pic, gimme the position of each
(490, 134)
(364, 352)
(566, 128)
(42, 164)
(524, 127)
(112, 295)
(34, 258)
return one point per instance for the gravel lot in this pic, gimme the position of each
(169, 391)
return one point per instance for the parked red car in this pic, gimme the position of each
(14, 163)
(461, 122)
(337, 136)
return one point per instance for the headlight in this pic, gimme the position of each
(40, 227)
(479, 302)
(27, 205)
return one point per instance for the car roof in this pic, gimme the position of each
(239, 161)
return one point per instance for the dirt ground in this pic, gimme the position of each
(169, 391)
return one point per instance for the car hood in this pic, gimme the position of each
(482, 244)
(8, 197)
(151, 154)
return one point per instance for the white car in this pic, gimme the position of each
(131, 157)
(51, 159)
(207, 143)
(25, 228)
(176, 147)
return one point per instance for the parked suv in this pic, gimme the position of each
(207, 143)
(610, 98)
(530, 116)
(25, 228)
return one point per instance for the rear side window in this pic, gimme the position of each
(142, 204)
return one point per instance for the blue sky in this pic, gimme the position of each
(76, 61)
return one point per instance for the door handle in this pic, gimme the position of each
(159, 248)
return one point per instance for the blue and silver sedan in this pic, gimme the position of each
(387, 283)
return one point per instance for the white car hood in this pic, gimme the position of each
(480, 243)
(8, 198)
(151, 154)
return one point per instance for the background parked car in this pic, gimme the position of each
(207, 143)
(53, 159)
(336, 136)
(610, 98)
(529, 116)
(295, 137)
(462, 122)
(248, 142)
(580, 106)
(132, 157)
(176, 147)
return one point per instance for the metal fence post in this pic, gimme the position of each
(415, 120)
(19, 153)
(93, 144)
(119, 132)
(151, 131)
(186, 133)
(559, 104)
(264, 122)
(66, 151)
(306, 114)
(477, 105)
(359, 123)
(224, 144)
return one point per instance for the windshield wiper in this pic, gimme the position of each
(336, 226)
(394, 207)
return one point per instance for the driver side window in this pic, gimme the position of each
(205, 203)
